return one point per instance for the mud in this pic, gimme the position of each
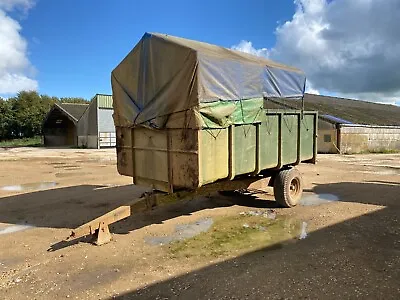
(329, 248)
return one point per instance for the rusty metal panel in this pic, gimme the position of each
(171, 159)
(184, 158)
(124, 152)
(150, 154)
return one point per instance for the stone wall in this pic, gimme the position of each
(366, 138)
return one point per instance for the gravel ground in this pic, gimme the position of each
(351, 248)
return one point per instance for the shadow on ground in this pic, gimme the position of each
(358, 258)
(67, 207)
(71, 207)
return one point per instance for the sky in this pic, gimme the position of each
(347, 48)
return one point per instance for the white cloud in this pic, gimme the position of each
(310, 88)
(9, 5)
(347, 47)
(15, 68)
(14, 83)
(247, 47)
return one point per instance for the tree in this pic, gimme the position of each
(29, 112)
(73, 100)
(6, 119)
(23, 115)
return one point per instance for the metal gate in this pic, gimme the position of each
(107, 139)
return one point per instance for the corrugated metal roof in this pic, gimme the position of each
(75, 110)
(336, 119)
(354, 111)
(104, 101)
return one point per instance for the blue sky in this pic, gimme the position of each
(74, 45)
(67, 48)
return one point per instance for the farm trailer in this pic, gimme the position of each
(190, 119)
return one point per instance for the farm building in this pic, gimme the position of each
(96, 127)
(350, 126)
(60, 126)
(81, 125)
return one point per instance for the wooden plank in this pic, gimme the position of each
(148, 201)
(113, 216)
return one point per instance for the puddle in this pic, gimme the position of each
(28, 186)
(231, 235)
(277, 226)
(14, 228)
(318, 199)
(182, 232)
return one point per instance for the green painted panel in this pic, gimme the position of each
(104, 101)
(289, 138)
(222, 114)
(307, 137)
(214, 155)
(246, 141)
(269, 145)
(245, 148)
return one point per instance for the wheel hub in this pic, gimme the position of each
(294, 187)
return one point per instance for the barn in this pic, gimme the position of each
(348, 125)
(96, 127)
(60, 125)
(81, 125)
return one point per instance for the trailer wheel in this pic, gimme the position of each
(288, 187)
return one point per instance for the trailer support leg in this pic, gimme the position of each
(103, 235)
(100, 231)
(99, 226)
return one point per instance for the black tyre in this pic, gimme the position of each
(288, 187)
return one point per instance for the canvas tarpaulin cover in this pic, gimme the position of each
(164, 75)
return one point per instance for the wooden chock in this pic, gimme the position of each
(103, 235)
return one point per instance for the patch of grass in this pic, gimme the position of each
(24, 142)
(237, 234)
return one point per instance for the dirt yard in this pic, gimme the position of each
(342, 242)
